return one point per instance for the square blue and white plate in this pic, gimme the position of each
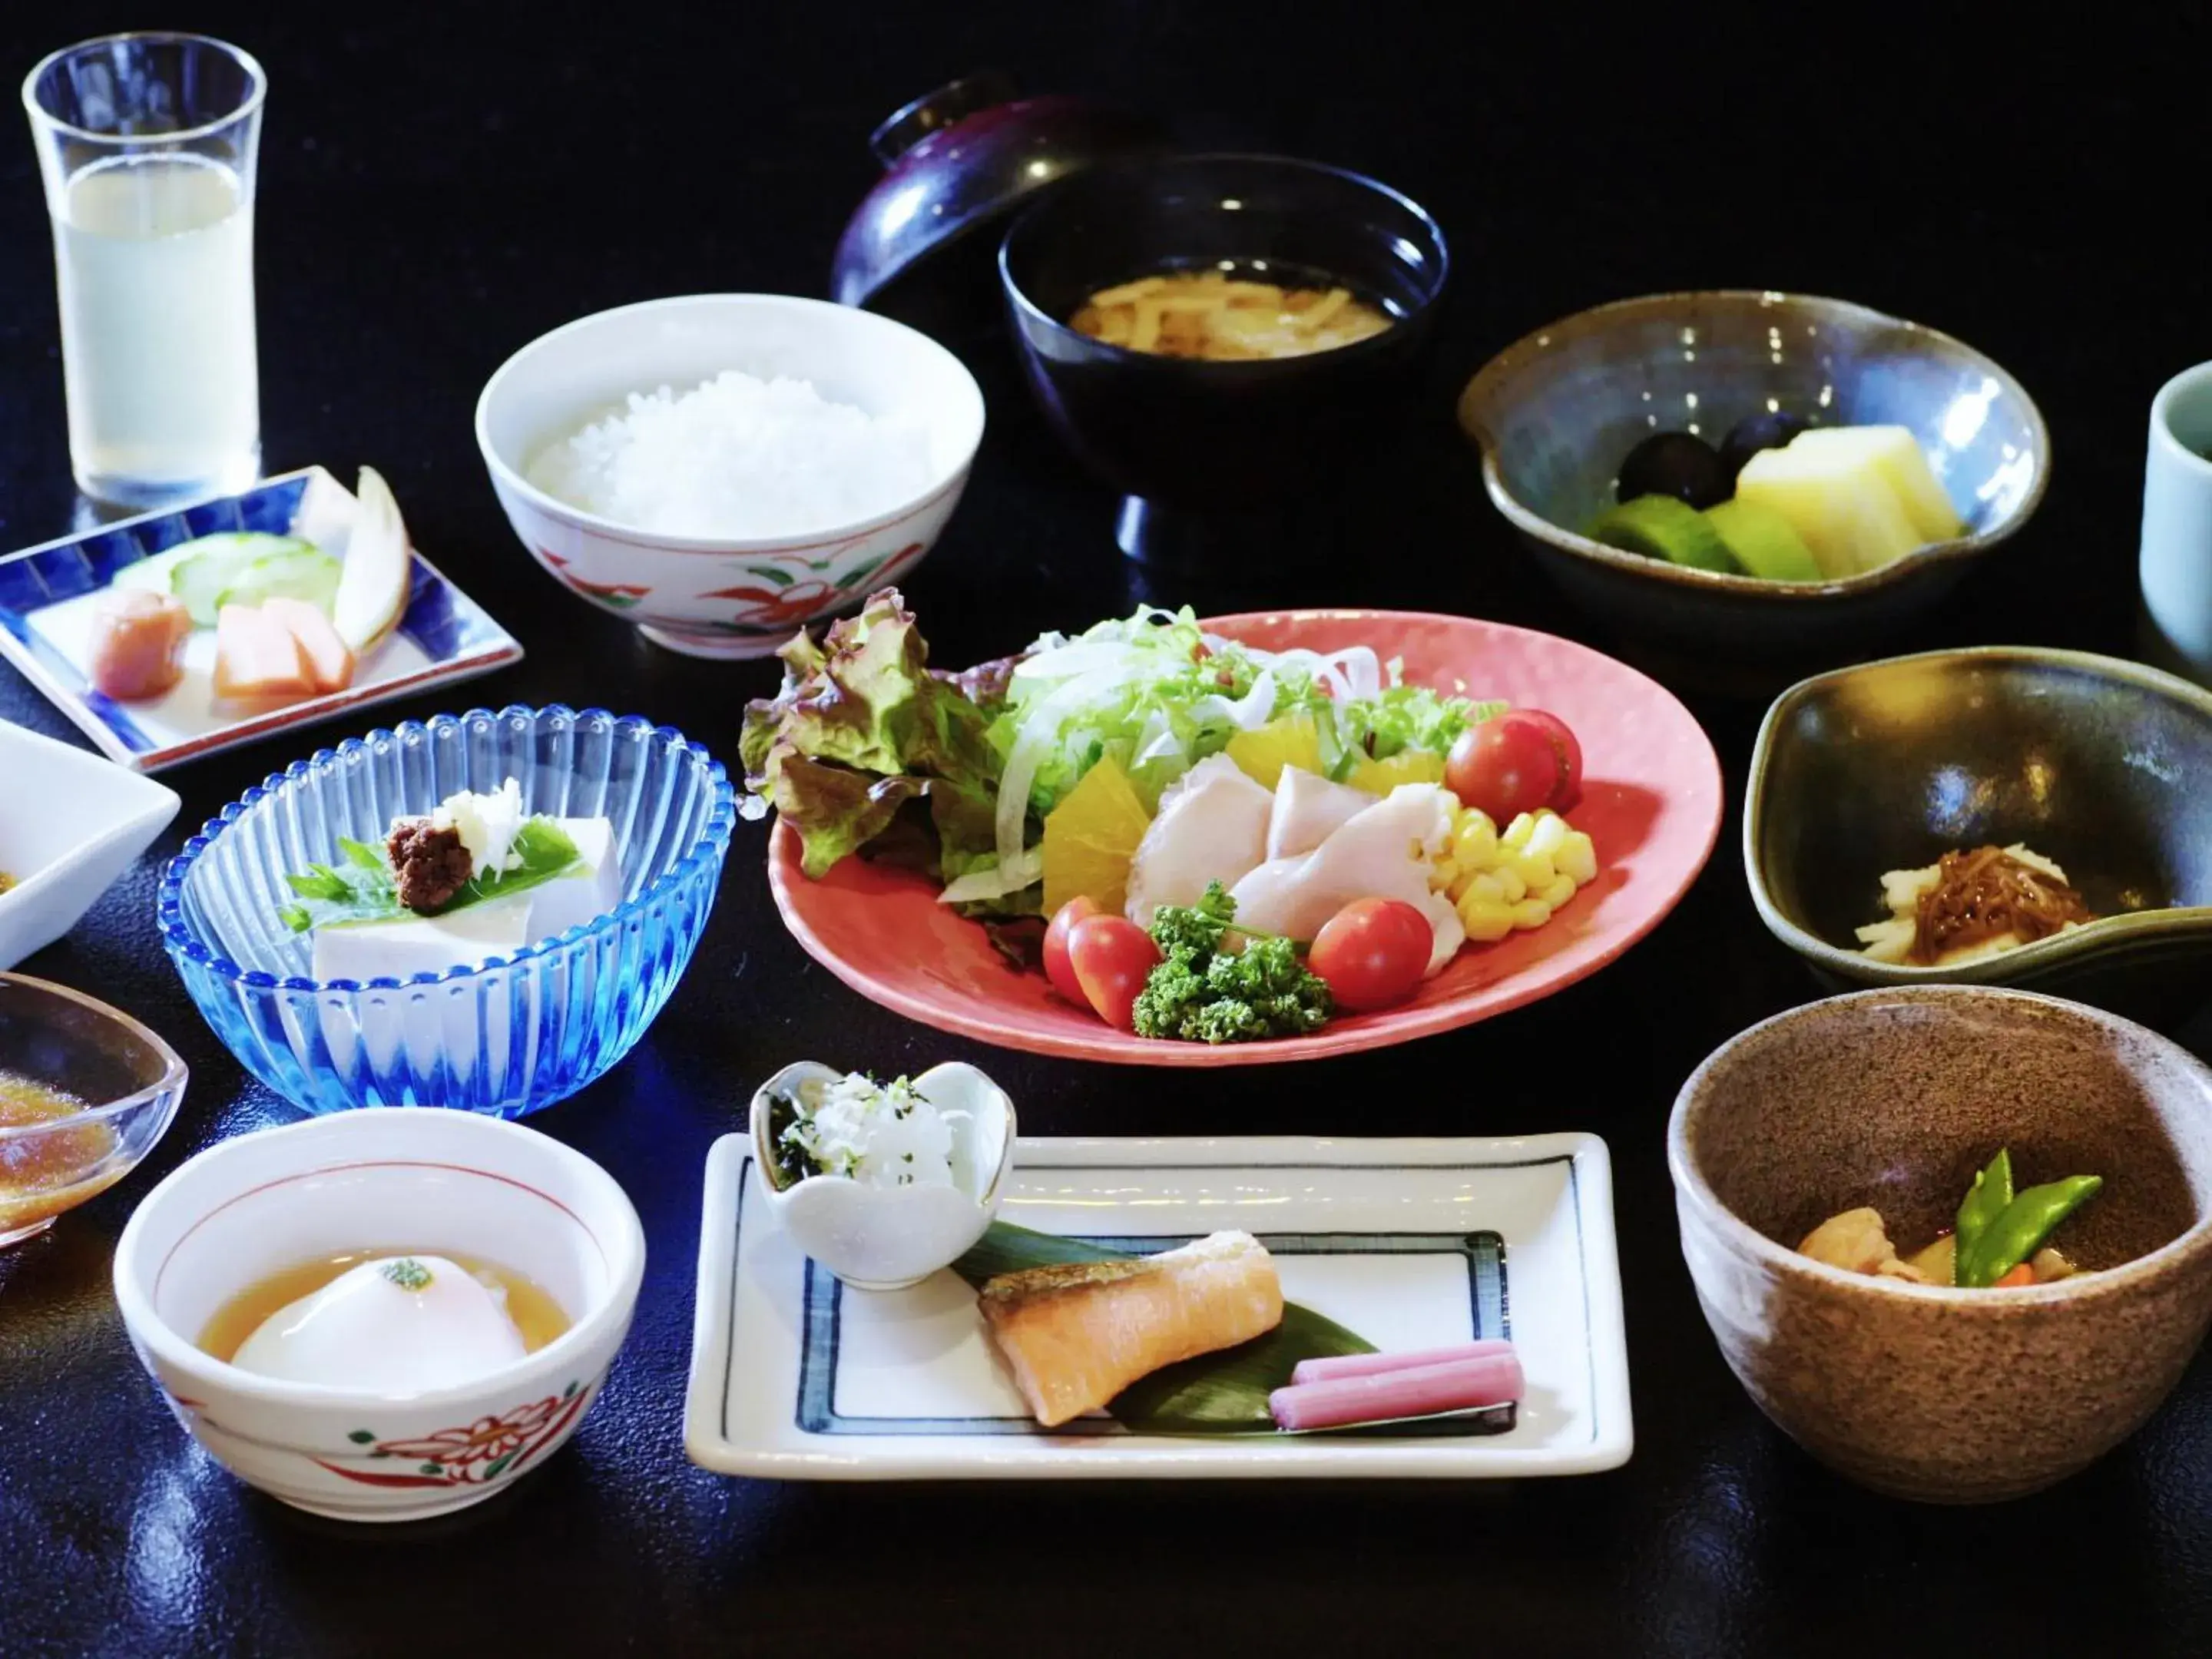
(1412, 1243)
(47, 594)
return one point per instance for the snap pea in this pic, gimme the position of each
(2019, 1231)
(1984, 1203)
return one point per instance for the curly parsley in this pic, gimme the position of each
(1217, 983)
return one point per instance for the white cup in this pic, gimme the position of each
(2176, 523)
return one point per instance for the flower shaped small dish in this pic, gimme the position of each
(871, 1222)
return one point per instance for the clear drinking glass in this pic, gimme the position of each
(147, 144)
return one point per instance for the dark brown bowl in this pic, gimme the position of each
(1894, 1098)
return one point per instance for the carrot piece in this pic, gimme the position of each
(2023, 1274)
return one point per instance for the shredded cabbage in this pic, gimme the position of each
(1159, 694)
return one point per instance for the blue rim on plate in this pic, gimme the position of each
(456, 635)
(511, 1033)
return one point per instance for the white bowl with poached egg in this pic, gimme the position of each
(337, 1419)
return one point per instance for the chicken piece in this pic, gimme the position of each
(1309, 809)
(1385, 851)
(137, 642)
(1211, 826)
(1857, 1242)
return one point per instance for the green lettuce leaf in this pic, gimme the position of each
(861, 727)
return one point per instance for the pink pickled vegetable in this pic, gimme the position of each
(1369, 1365)
(1456, 1385)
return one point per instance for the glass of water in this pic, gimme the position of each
(147, 145)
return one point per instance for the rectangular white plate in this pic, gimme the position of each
(47, 594)
(1411, 1243)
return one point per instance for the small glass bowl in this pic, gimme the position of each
(132, 1080)
(506, 1037)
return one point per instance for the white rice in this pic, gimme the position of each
(738, 456)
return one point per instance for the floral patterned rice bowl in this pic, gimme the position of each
(411, 1178)
(725, 598)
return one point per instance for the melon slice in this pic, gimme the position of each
(330, 659)
(372, 588)
(256, 656)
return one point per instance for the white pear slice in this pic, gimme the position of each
(373, 584)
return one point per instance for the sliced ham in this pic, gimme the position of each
(330, 659)
(1212, 826)
(256, 656)
(1309, 809)
(137, 642)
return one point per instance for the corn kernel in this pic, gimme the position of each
(1486, 921)
(1534, 870)
(1531, 914)
(1512, 887)
(1561, 890)
(1517, 832)
(1576, 857)
(1545, 839)
(1474, 844)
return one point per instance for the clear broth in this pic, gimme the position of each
(528, 1305)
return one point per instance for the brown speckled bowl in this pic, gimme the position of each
(1894, 1098)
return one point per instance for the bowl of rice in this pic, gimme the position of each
(722, 468)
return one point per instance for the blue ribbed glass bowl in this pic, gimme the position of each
(506, 1038)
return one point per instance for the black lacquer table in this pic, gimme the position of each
(440, 185)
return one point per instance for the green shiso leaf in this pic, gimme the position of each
(1223, 1393)
(361, 887)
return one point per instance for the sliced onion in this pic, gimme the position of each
(977, 885)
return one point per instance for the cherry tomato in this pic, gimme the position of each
(1057, 968)
(1569, 792)
(1372, 952)
(1111, 956)
(1524, 760)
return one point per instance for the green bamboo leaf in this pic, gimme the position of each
(1223, 1393)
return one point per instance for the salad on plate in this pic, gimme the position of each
(1197, 839)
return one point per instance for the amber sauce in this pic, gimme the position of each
(42, 1175)
(536, 1315)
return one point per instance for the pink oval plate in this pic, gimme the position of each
(1651, 801)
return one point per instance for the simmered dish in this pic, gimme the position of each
(2001, 1239)
(1972, 904)
(1221, 316)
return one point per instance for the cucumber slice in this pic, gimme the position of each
(1763, 542)
(1662, 527)
(218, 563)
(305, 573)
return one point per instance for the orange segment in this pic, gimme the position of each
(1263, 752)
(1380, 777)
(1089, 838)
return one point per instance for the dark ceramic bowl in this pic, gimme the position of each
(1894, 1098)
(1196, 444)
(2103, 765)
(1555, 412)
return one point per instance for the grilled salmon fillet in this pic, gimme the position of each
(1076, 1335)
